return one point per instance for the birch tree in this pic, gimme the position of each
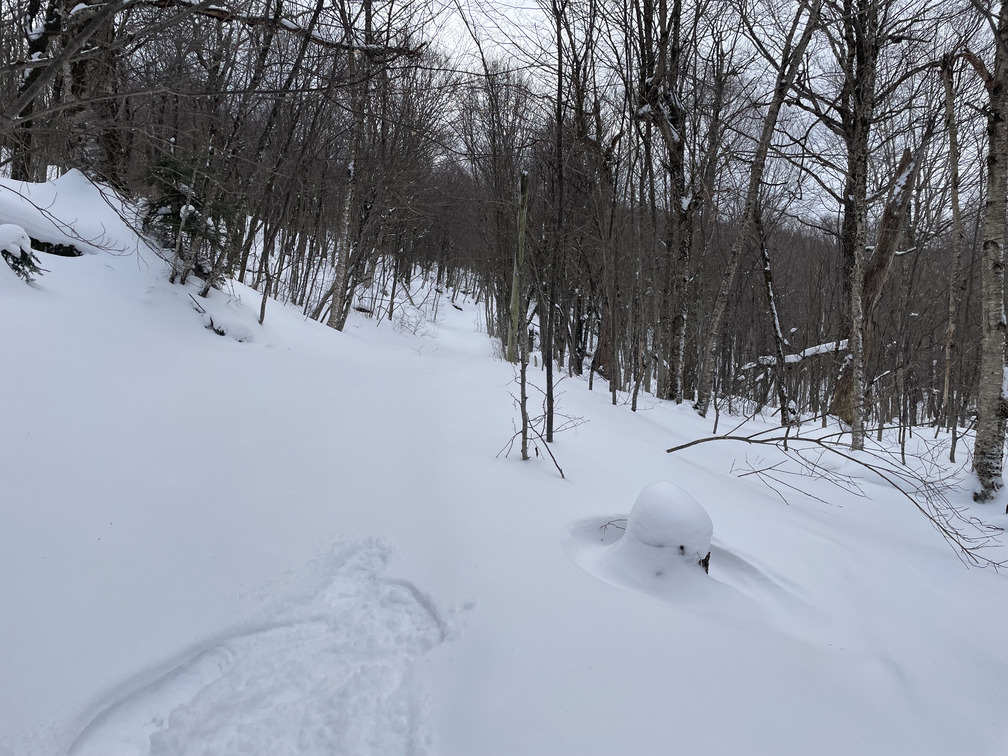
(992, 405)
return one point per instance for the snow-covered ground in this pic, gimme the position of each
(287, 540)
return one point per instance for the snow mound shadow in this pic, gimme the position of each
(328, 672)
(598, 546)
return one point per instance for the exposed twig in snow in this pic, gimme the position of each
(615, 524)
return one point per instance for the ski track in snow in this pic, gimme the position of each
(328, 672)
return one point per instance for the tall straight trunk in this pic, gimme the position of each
(548, 347)
(778, 334)
(360, 75)
(701, 228)
(637, 346)
(518, 318)
(872, 274)
(344, 246)
(961, 398)
(101, 143)
(660, 47)
(790, 63)
(684, 213)
(988, 450)
(855, 364)
(679, 245)
(958, 238)
(558, 240)
(615, 379)
(517, 324)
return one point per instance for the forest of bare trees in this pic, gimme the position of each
(792, 207)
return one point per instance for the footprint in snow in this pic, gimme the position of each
(329, 674)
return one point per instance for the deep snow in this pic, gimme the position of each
(290, 540)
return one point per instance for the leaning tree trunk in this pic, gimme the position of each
(786, 74)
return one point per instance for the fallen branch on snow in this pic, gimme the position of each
(968, 535)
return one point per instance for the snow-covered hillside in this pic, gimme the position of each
(288, 540)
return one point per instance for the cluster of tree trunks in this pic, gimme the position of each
(736, 206)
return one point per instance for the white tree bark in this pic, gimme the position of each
(988, 450)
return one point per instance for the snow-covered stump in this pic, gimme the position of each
(668, 530)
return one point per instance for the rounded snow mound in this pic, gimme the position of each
(667, 517)
(664, 550)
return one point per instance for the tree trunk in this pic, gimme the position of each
(872, 279)
(854, 398)
(359, 72)
(988, 451)
(778, 334)
(958, 238)
(517, 325)
(338, 291)
(518, 317)
(551, 303)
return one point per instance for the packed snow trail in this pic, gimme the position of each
(329, 671)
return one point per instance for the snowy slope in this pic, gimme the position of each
(287, 540)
